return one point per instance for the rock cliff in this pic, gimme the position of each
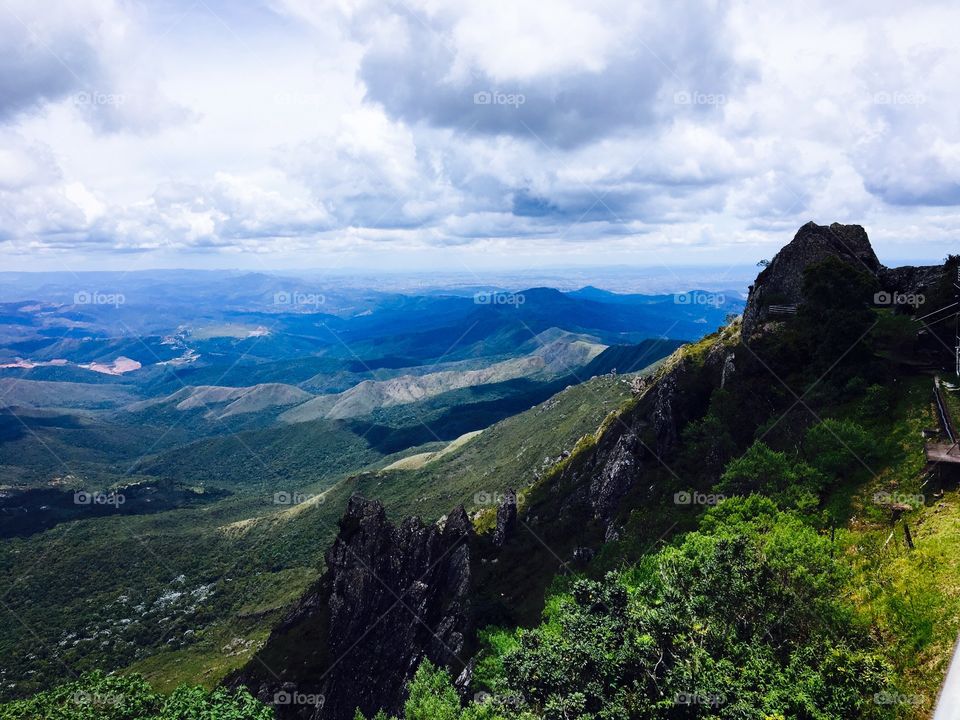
(391, 595)
(781, 282)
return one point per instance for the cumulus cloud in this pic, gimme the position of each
(84, 52)
(492, 127)
(566, 75)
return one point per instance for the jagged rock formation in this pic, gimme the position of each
(390, 597)
(506, 519)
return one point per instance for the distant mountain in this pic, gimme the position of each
(560, 357)
(223, 402)
(238, 322)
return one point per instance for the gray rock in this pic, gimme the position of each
(506, 519)
(391, 596)
(781, 282)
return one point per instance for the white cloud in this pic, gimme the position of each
(89, 53)
(345, 125)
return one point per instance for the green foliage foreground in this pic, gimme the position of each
(96, 696)
(746, 618)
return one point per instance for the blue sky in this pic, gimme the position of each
(469, 136)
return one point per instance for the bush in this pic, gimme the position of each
(876, 402)
(840, 448)
(747, 617)
(763, 470)
(96, 696)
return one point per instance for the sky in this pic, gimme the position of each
(469, 136)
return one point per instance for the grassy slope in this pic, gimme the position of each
(913, 595)
(285, 547)
(509, 454)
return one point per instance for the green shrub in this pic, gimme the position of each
(96, 696)
(746, 618)
(840, 448)
(792, 483)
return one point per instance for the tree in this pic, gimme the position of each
(96, 696)
(835, 316)
(432, 696)
(763, 470)
(839, 448)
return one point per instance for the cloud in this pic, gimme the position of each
(495, 128)
(564, 77)
(231, 210)
(86, 53)
(46, 60)
(25, 164)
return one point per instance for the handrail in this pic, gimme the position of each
(944, 413)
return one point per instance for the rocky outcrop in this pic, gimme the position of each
(506, 519)
(910, 280)
(615, 472)
(781, 282)
(645, 435)
(391, 596)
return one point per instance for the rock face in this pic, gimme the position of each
(391, 596)
(616, 472)
(650, 431)
(910, 280)
(506, 519)
(781, 283)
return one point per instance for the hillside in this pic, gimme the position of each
(719, 420)
(15, 392)
(257, 556)
(222, 402)
(558, 357)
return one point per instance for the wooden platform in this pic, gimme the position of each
(943, 453)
